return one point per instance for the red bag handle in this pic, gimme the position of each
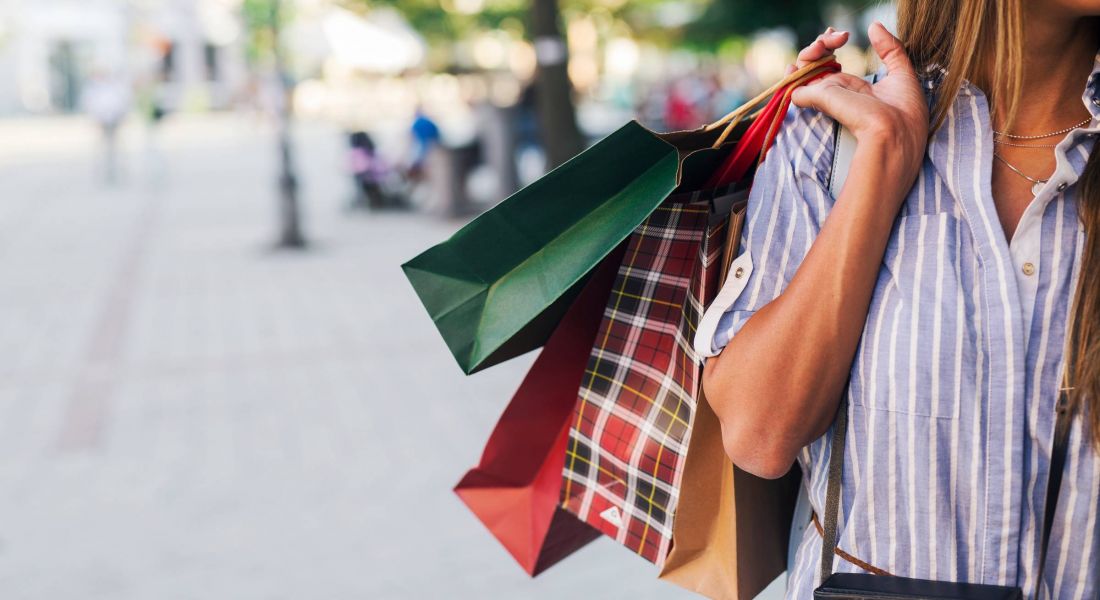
(758, 138)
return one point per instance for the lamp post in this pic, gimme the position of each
(290, 221)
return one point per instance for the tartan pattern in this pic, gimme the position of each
(632, 420)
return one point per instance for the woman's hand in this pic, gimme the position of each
(892, 113)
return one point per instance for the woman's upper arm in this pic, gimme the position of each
(787, 205)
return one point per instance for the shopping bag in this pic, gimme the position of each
(637, 404)
(498, 286)
(638, 396)
(514, 490)
(730, 534)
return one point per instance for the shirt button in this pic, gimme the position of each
(1062, 186)
(1096, 100)
(1028, 269)
(740, 272)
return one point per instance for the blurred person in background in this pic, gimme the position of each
(727, 94)
(107, 101)
(154, 102)
(425, 136)
(530, 159)
(681, 110)
(650, 106)
(368, 171)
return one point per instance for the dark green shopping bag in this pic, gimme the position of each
(498, 286)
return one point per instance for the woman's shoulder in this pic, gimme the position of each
(805, 144)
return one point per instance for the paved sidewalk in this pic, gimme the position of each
(186, 413)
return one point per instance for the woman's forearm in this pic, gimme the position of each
(776, 386)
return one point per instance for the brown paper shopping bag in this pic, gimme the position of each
(729, 540)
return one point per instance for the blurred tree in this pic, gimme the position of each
(724, 18)
(561, 137)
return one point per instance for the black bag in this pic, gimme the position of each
(860, 586)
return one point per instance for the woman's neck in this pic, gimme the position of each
(1059, 52)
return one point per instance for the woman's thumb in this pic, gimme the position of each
(889, 48)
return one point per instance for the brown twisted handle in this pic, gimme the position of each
(752, 107)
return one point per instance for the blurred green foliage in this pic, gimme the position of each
(433, 20)
(694, 23)
(721, 27)
(724, 18)
(262, 20)
(444, 20)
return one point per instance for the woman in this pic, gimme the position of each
(935, 292)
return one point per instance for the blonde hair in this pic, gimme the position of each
(982, 41)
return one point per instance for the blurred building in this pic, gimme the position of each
(185, 53)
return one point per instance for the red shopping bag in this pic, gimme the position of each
(514, 490)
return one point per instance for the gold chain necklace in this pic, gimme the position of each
(1045, 135)
(1036, 184)
(1004, 143)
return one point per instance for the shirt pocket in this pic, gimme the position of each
(908, 358)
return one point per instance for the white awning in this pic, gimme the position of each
(380, 43)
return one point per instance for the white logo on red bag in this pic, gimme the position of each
(613, 516)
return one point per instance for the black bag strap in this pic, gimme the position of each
(832, 494)
(1054, 483)
(1058, 453)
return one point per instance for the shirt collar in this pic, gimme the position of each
(964, 121)
(1091, 97)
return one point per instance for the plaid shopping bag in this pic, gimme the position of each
(632, 421)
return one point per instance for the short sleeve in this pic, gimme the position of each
(787, 206)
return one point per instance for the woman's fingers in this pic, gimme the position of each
(837, 96)
(823, 46)
(845, 80)
(889, 49)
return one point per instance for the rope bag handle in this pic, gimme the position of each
(758, 138)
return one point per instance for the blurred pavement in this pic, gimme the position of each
(187, 413)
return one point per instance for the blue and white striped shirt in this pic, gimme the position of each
(955, 380)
